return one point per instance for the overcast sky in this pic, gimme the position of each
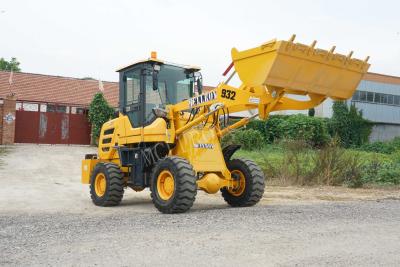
(93, 38)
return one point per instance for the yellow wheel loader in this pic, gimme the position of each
(167, 135)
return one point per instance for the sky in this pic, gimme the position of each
(93, 38)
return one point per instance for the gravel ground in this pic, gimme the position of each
(46, 218)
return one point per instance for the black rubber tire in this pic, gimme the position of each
(114, 185)
(185, 187)
(254, 183)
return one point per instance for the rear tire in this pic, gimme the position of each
(173, 185)
(252, 188)
(106, 185)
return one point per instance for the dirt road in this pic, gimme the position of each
(46, 218)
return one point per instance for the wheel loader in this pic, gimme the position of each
(168, 131)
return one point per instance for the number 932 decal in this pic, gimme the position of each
(228, 94)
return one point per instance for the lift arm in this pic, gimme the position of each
(271, 74)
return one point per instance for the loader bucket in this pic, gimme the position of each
(300, 68)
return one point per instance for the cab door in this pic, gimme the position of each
(133, 106)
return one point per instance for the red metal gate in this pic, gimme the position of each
(51, 128)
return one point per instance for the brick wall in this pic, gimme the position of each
(1, 120)
(7, 129)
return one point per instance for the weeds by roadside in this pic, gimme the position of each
(294, 162)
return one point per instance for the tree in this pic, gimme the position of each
(349, 125)
(12, 65)
(99, 113)
(311, 112)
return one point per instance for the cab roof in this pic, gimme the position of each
(156, 60)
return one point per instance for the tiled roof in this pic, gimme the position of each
(55, 89)
(207, 88)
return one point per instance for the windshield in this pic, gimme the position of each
(174, 84)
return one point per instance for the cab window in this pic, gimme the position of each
(132, 87)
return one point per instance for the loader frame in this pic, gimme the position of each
(192, 128)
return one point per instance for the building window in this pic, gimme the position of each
(356, 96)
(43, 107)
(378, 98)
(57, 108)
(370, 97)
(397, 100)
(390, 99)
(384, 98)
(363, 96)
(81, 111)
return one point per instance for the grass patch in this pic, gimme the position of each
(293, 162)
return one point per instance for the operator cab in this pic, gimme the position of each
(152, 83)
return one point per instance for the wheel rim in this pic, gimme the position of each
(239, 184)
(165, 185)
(100, 184)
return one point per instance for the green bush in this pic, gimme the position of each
(99, 113)
(371, 167)
(380, 168)
(349, 125)
(352, 173)
(273, 130)
(294, 127)
(396, 143)
(227, 140)
(387, 147)
(310, 129)
(389, 175)
(258, 125)
(378, 147)
(249, 139)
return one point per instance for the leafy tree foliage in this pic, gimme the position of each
(249, 139)
(99, 113)
(311, 112)
(12, 65)
(349, 125)
(312, 130)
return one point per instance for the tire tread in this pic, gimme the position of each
(185, 189)
(115, 185)
(255, 187)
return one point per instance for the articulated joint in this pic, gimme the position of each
(212, 183)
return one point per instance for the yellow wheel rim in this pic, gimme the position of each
(239, 184)
(165, 185)
(100, 184)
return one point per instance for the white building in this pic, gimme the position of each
(378, 96)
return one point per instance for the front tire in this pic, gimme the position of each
(106, 185)
(250, 183)
(173, 185)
